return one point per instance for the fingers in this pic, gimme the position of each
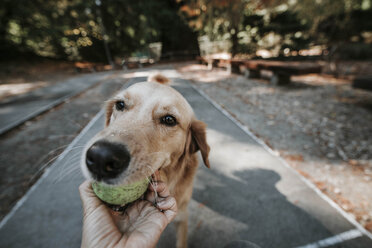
(160, 188)
(84, 190)
(156, 176)
(169, 207)
(166, 203)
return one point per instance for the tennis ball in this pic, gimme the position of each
(120, 195)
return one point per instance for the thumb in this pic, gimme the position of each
(98, 225)
(88, 198)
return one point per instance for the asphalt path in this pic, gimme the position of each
(18, 109)
(248, 194)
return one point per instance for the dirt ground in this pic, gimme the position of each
(320, 125)
(18, 77)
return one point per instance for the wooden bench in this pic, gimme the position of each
(202, 60)
(85, 67)
(232, 65)
(363, 82)
(236, 65)
(282, 71)
(213, 62)
(135, 62)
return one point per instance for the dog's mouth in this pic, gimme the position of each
(115, 171)
(125, 179)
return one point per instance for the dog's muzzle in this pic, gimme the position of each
(106, 160)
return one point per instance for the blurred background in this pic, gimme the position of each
(61, 59)
(107, 31)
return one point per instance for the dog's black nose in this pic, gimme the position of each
(107, 160)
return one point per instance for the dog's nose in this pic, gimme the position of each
(107, 160)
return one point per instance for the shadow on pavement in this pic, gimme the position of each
(249, 208)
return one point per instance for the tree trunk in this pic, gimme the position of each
(178, 40)
(234, 42)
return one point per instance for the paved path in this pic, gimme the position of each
(16, 110)
(248, 194)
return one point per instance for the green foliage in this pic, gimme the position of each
(76, 29)
(288, 24)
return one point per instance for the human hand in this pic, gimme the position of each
(140, 226)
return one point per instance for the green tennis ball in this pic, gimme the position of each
(120, 195)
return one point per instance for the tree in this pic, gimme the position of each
(222, 17)
(70, 29)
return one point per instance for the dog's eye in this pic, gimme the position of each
(120, 105)
(168, 120)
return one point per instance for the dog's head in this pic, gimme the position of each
(148, 126)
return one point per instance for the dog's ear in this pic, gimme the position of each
(159, 78)
(109, 109)
(199, 140)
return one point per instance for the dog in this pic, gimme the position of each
(149, 128)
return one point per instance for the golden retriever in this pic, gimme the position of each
(149, 127)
